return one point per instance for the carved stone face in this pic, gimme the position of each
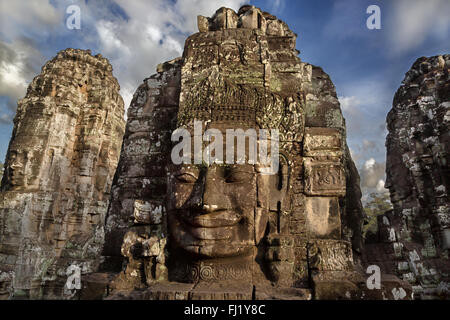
(22, 168)
(15, 171)
(401, 189)
(212, 209)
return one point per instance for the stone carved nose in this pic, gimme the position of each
(209, 195)
(387, 183)
(213, 197)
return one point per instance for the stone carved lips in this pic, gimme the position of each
(210, 222)
(213, 226)
(214, 219)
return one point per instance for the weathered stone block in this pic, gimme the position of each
(299, 228)
(323, 217)
(324, 178)
(202, 24)
(249, 20)
(322, 142)
(330, 255)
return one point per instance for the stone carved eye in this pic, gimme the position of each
(236, 176)
(186, 178)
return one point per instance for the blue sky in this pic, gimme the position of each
(366, 66)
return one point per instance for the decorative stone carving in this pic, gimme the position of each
(148, 212)
(323, 142)
(324, 178)
(328, 255)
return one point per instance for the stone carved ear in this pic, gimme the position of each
(261, 220)
(272, 196)
(280, 186)
(273, 188)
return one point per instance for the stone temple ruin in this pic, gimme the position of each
(58, 172)
(197, 231)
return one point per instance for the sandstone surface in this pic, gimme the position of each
(58, 172)
(414, 238)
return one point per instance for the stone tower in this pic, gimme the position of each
(58, 172)
(414, 238)
(228, 232)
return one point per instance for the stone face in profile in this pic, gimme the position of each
(417, 171)
(26, 158)
(15, 171)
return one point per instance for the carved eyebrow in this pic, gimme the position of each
(241, 168)
(238, 171)
(238, 176)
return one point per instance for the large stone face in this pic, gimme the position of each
(416, 234)
(220, 231)
(58, 173)
(140, 185)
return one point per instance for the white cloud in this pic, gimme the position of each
(407, 24)
(6, 118)
(351, 109)
(32, 16)
(20, 58)
(19, 63)
(380, 186)
(370, 168)
(414, 21)
(365, 103)
(151, 33)
(349, 104)
(11, 74)
(107, 35)
(372, 175)
(368, 145)
(368, 165)
(353, 154)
